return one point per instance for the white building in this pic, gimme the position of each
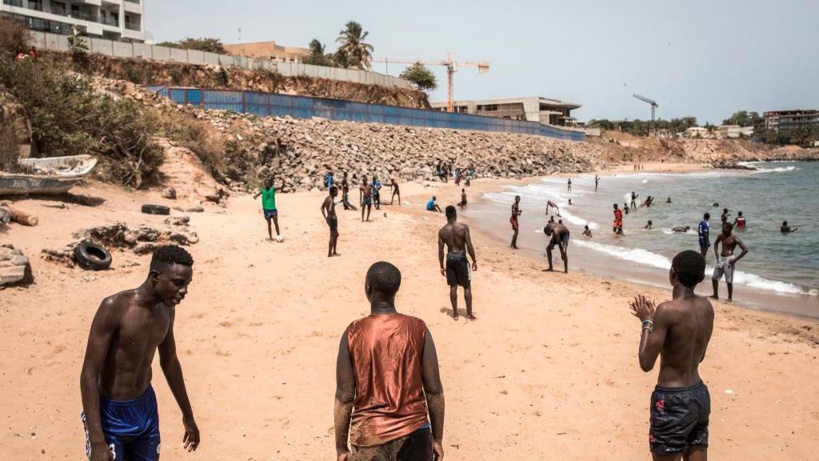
(120, 20)
(734, 131)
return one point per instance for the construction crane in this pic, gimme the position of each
(451, 68)
(654, 106)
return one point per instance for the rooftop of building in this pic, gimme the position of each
(541, 100)
(266, 46)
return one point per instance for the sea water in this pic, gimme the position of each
(777, 264)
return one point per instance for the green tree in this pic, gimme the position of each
(317, 56)
(741, 118)
(210, 45)
(354, 50)
(420, 76)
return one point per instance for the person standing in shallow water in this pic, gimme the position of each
(455, 236)
(328, 210)
(516, 211)
(678, 331)
(617, 225)
(120, 413)
(389, 402)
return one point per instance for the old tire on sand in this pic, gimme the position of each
(91, 256)
(156, 209)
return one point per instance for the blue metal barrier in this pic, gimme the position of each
(304, 107)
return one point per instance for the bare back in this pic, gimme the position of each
(688, 324)
(126, 371)
(455, 236)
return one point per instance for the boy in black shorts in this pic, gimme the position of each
(679, 331)
(455, 236)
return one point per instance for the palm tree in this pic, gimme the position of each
(357, 52)
(316, 48)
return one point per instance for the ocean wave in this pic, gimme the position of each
(651, 259)
(785, 169)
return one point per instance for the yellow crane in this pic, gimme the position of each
(451, 68)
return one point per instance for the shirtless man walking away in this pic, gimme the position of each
(365, 194)
(559, 236)
(516, 211)
(678, 331)
(389, 397)
(119, 405)
(456, 237)
(328, 210)
(726, 262)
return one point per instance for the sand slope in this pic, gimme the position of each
(549, 371)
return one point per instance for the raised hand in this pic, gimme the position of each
(642, 308)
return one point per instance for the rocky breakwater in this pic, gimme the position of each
(307, 149)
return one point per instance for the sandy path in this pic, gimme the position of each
(548, 372)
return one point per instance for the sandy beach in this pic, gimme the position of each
(548, 371)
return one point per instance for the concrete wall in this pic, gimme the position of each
(44, 40)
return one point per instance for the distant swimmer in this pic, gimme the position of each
(389, 401)
(328, 210)
(626, 209)
(716, 205)
(587, 232)
(570, 201)
(634, 200)
(739, 222)
(433, 206)
(786, 229)
(516, 211)
(724, 217)
(678, 332)
(649, 225)
(550, 204)
(569, 185)
(455, 236)
(726, 261)
(704, 231)
(462, 203)
(618, 220)
(649, 201)
(596, 181)
(559, 236)
(669, 200)
(365, 193)
(681, 229)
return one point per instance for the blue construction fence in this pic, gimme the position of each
(305, 107)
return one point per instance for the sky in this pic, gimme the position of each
(701, 58)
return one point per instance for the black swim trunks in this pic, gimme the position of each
(679, 419)
(414, 447)
(332, 221)
(458, 271)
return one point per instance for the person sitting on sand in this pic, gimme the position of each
(328, 210)
(516, 211)
(389, 402)
(462, 203)
(433, 206)
(587, 232)
(681, 229)
(268, 193)
(458, 242)
(617, 227)
(786, 229)
(726, 262)
(559, 236)
(678, 331)
(648, 226)
(365, 194)
(550, 204)
(119, 405)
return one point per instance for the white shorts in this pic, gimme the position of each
(724, 267)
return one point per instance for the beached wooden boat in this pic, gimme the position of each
(48, 176)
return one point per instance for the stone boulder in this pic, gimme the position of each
(15, 267)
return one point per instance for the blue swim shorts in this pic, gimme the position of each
(131, 428)
(270, 214)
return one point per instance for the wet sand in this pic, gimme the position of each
(549, 368)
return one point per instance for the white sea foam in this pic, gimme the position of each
(648, 258)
